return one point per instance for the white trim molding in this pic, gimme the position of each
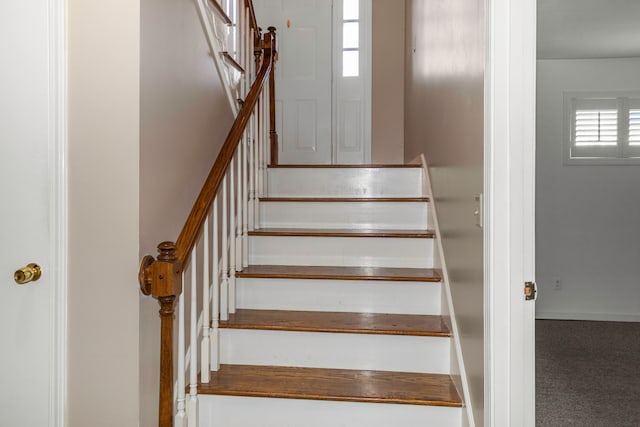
(58, 211)
(457, 359)
(509, 212)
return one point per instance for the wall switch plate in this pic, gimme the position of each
(557, 283)
(477, 213)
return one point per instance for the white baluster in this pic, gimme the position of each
(239, 207)
(206, 329)
(265, 149)
(259, 177)
(224, 287)
(256, 170)
(245, 204)
(192, 403)
(252, 194)
(215, 304)
(181, 416)
(232, 241)
(239, 26)
(247, 50)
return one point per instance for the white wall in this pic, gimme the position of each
(184, 119)
(444, 119)
(587, 217)
(103, 149)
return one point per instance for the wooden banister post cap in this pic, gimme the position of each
(167, 280)
(167, 251)
(271, 29)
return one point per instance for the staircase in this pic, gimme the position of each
(338, 318)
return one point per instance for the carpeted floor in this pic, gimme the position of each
(587, 374)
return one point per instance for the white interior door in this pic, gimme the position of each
(303, 77)
(323, 79)
(28, 349)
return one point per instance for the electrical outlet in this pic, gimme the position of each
(557, 283)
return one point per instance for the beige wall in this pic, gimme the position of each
(444, 120)
(185, 117)
(103, 48)
(387, 92)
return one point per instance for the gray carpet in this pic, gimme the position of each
(587, 374)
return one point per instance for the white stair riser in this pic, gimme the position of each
(356, 296)
(345, 182)
(378, 215)
(398, 353)
(341, 251)
(235, 411)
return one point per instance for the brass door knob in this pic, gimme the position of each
(30, 273)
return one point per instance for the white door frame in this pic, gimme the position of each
(58, 212)
(509, 212)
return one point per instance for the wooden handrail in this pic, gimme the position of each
(194, 223)
(220, 11)
(231, 61)
(162, 277)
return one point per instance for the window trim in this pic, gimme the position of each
(620, 154)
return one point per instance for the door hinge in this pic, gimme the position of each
(530, 291)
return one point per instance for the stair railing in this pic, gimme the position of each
(212, 245)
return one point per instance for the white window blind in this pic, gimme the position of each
(602, 127)
(634, 127)
(596, 127)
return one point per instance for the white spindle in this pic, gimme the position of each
(239, 207)
(238, 56)
(245, 204)
(181, 416)
(256, 169)
(252, 173)
(215, 304)
(206, 330)
(259, 150)
(265, 148)
(232, 230)
(224, 287)
(192, 403)
(247, 32)
(239, 26)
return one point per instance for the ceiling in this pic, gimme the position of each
(573, 29)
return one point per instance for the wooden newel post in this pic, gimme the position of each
(161, 278)
(273, 135)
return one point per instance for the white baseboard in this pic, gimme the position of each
(598, 317)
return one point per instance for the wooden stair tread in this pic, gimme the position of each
(341, 273)
(333, 384)
(345, 199)
(371, 166)
(340, 322)
(335, 232)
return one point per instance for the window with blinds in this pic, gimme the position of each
(596, 127)
(602, 127)
(634, 127)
